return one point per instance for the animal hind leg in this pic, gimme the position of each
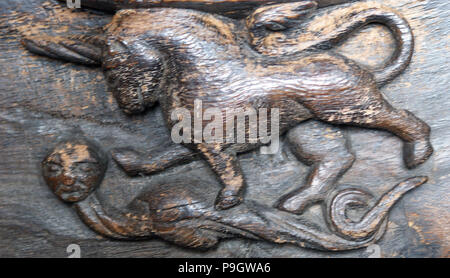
(413, 131)
(325, 148)
(368, 108)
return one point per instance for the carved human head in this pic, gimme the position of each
(74, 168)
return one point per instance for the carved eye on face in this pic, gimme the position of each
(54, 169)
(86, 167)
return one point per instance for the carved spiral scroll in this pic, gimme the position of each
(374, 220)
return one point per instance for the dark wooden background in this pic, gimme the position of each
(42, 100)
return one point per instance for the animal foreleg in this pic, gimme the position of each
(135, 163)
(226, 166)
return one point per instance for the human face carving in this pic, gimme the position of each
(72, 171)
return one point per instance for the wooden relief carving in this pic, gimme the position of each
(273, 56)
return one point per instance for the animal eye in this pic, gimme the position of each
(53, 167)
(85, 167)
(275, 26)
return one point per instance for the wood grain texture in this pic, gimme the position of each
(43, 100)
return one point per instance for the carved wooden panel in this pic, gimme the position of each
(67, 125)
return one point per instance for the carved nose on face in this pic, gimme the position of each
(69, 180)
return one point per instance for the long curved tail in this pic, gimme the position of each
(373, 220)
(360, 15)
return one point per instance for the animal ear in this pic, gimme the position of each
(75, 49)
(280, 16)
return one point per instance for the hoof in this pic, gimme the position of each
(416, 152)
(227, 199)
